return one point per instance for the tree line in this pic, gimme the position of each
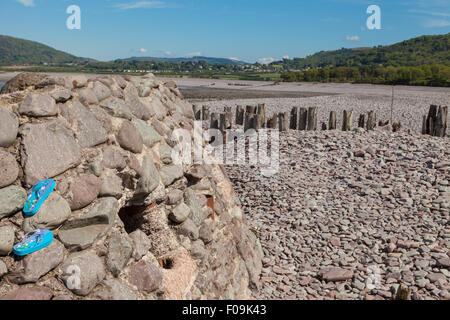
(425, 75)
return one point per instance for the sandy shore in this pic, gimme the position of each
(200, 94)
(303, 86)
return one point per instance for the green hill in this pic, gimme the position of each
(424, 50)
(14, 51)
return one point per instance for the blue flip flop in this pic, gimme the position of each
(37, 195)
(33, 241)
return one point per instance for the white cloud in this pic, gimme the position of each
(286, 57)
(352, 38)
(427, 3)
(27, 3)
(431, 13)
(142, 50)
(436, 15)
(194, 54)
(436, 23)
(141, 4)
(168, 53)
(234, 58)
(266, 60)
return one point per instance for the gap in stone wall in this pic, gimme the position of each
(133, 216)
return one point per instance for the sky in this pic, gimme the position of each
(247, 30)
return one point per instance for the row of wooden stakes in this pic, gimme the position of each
(435, 123)
(300, 118)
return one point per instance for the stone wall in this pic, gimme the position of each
(128, 222)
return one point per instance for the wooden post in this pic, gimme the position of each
(396, 126)
(332, 122)
(228, 117)
(214, 124)
(214, 120)
(269, 123)
(382, 123)
(403, 293)
(247, 120)
(362, 121)
(371, 120)
(223, 126)
(222, 122)
(287, 118)
(205, 113)
(283, 121)
(424, 125)
(347, 121)
(431, 120)
(294, 121)
(272, 122)
(250, 109)
(254, 121)
(312, 118)
(275, 121)
(440, 126)
(302, 118)
(250, 121)
(257, 122)
(240, 115)
(197, 112)
(435, 123)
(262, 114)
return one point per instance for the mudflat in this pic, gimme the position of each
(206, 94)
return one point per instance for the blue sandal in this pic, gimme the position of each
(33, 241)
(37, 195)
